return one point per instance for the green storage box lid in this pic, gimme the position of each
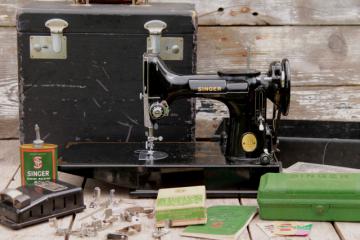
(310, 185)
(310, 196)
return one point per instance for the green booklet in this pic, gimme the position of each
(224, 222)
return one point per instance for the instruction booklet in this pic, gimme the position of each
(224, 222)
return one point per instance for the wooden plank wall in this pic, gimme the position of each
(320, 38)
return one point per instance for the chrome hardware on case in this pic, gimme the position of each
(53, 46)
(169, 48)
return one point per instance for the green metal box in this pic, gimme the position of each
(310, 196)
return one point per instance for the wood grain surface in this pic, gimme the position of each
(348, 230)
(8, 84)
(276, 12)
(319, 56)
(246, 12)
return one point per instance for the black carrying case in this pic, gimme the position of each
(93, 94)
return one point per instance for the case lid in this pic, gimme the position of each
(106, 18)
(344, 186)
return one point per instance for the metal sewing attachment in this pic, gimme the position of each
(160, 232)
(96, 197)
(112, 197)
(106, 214)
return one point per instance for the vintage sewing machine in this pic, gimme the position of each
(249, 138)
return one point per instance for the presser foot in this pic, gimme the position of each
(151, 155)
(148, 154)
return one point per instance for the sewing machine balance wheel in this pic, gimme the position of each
(286, 88)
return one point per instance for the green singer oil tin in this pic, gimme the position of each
(38, 161)
(38, 164)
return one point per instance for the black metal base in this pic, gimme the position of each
(188, 164)
(44, 204)
(334, 143)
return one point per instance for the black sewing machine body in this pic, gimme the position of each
(247, 137)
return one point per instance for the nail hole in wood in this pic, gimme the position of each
(220, 9)
(255, 13)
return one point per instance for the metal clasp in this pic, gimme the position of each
(56, 26)
(50, 47)
(169, 48)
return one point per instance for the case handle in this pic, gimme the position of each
(56, 26)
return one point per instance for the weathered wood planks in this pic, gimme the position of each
(245, 12)
(318, 55)
(287, 12)
(8, 10)
(348, 230)
(325, 103)
(9, 162)
(8, 84)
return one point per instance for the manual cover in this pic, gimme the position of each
(224, 222)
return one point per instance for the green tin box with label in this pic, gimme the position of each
(310, 196)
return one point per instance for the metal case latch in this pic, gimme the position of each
(50, 47)
(169, 48)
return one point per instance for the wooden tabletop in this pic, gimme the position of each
(9, 161)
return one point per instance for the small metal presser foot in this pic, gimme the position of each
(149, 154)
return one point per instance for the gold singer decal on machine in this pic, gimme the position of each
(249, 142)
(209, 89)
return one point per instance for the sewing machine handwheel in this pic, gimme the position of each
(286, 88)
